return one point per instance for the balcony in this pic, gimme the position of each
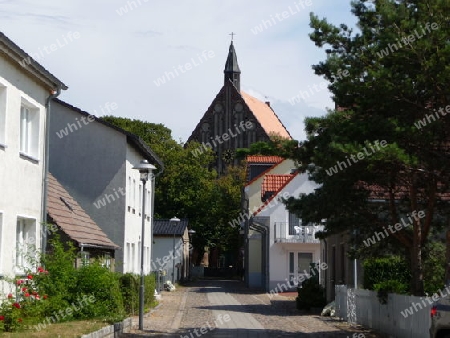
(299, 234)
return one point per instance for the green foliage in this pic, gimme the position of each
(10, 316)
(61, 278)
(129, 287)
(389, 286)
(98, 283)
(188, 187)
(410, 173)
(386, 272)
(434, 266)
(310, 295)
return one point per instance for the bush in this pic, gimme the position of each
(386, 270)
(129, 286)
(389, 286)
(98, 294)
(310, 294)
(434, 266)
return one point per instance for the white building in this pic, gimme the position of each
(292, 246)
(25, 91)
(93, 160)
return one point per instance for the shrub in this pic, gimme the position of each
(434, 266)
(310, 294)
(386, 270)
(98, 293)
(130, 285)
(389, 286)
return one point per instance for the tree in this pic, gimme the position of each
(389, 134)
(188, 188)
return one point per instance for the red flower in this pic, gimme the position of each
(27, 294)
(10, 295)
(2, 317)
(30, 276)
(40, 269)
(45, 296)
(19, 281)
(16, 305)
(24, 289)
(34, 293)
(37, 297)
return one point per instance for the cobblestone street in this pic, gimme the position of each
(213, 308)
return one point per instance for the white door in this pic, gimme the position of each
(299, 265)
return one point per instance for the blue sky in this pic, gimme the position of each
(113, 52)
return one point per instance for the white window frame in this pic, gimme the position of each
(85, 258)
(29, 139)
(25, 239)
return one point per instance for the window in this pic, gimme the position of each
(140, 199)
(84, 258)
(130, 195)
(293, 222)
(29, 131)
(128, 258)
(106, 261)
(133, 205)
(133, 258)
(2, 115)
(25, 243)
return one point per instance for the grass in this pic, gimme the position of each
(72, 329)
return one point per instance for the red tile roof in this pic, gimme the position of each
(274, 182)
(264, 159)
(266, 116)
(68, 215)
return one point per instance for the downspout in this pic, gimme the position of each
(52, 96)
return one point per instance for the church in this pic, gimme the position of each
(235, 119)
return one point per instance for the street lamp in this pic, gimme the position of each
(191, 232)
(174, 221)
(145, 169)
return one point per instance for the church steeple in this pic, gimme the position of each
(232, 71)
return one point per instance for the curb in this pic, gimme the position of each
(111, 331)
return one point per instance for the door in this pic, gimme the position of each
(299, 265)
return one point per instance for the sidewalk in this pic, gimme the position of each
(228, 309)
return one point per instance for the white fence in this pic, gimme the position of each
(363, 307)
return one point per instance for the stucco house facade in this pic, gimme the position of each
(25, 92)
(93, 160)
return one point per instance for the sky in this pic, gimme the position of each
(115, 56)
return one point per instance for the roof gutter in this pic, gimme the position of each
(95, 246)
(53, 95)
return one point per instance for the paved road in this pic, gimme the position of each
(212, 308)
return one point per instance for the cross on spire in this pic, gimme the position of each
(232, 35)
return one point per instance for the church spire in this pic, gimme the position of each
(232, 71)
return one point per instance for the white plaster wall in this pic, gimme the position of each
(162, 255)
(20, 178)
(133, 221)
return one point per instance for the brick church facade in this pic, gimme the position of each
(235, 119)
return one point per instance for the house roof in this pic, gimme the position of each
(266, 116)
(263, 159)
(274, 182)
(133, 139)
(276, 192)
(25, 62)
(65, 212)
(165, 227)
